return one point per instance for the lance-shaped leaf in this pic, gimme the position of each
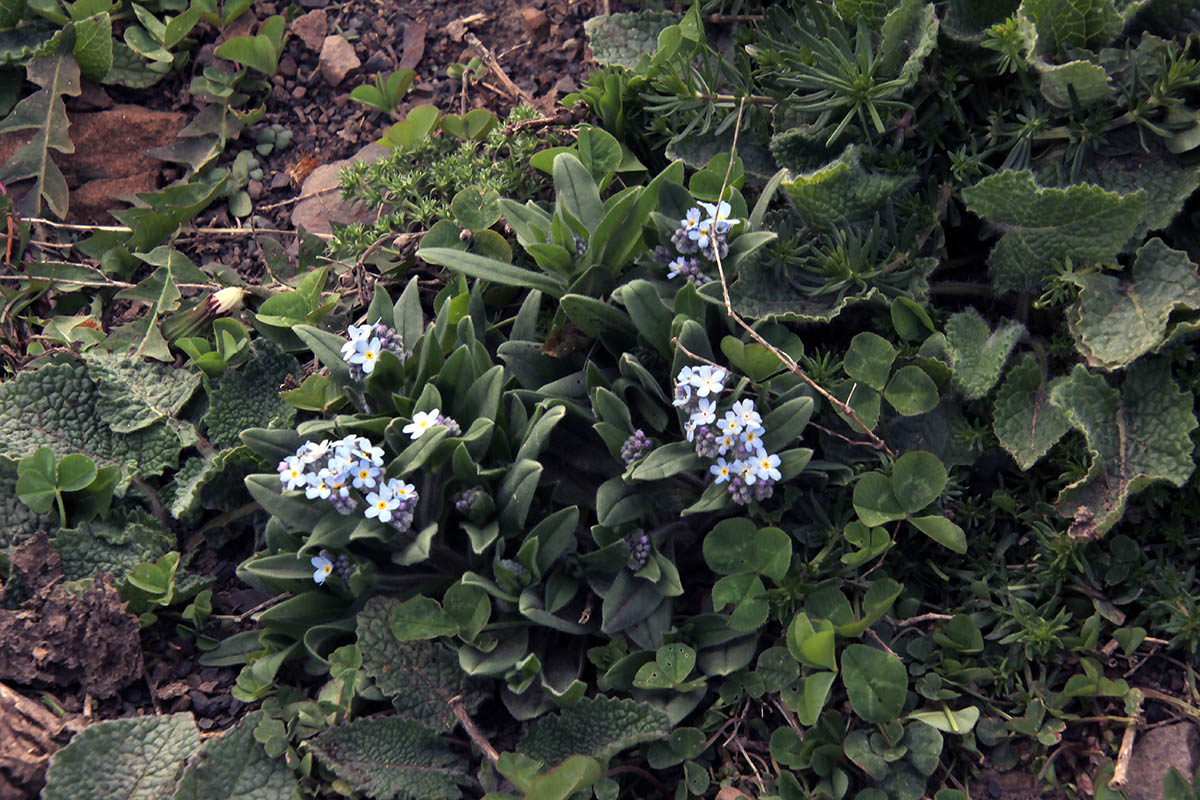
(421, 677)
(135, 394)
(1113, 323)
(142, 336)
(599, 727)
(1023, 419)
(1043, 227)
(236, 767)
(392, 758)
(842, 190)
(124, 759)
(44, 113)
(1136, 436)
(976, 353)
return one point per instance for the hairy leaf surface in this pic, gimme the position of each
(977, 354)
(392, 758)
(597, 726)
(1023, 419)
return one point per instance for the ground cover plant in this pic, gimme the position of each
(816, 422)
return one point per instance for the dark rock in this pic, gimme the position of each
(1155, 753)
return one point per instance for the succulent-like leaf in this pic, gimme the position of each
(597, 726)
(236, 767)
(44, 113)
(842, 190)
(57, 407)
(124, 759)
(135, 394)
(249, 397)
(392, 758)
(976, 353)
(1113, 322)
(421, 676)
(1043, 226)
(1023, 418)
(1136, 436)
(621, 40)
(117, 544)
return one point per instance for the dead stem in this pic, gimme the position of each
(1121, 770)
(456, 705)
(489, 58)
(188, 230)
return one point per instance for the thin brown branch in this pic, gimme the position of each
(489, 58)
(188, 230)
(456, 705)
(242, 617)
(298, 198)
(641, 773)
(784, 358)
(918, 620)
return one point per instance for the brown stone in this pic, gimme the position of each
(337, 59)
(317, 212)
(312, 28)
(535, 22)
(1155, 753)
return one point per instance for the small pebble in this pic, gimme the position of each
(299, 92)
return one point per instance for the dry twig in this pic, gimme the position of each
(489, 58)
(460, 713)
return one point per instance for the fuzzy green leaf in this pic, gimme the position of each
(419, 676)
(1023, 419)
(44, 113)
(1136, 436)
(135, 394)
(842, 190)
(1063, 24)
(977, 355)
(57, 406)
(1045, 226)
(392, 758)
(127, 538)
(236, 767)
(1114, 323)
(621, 40)
(94, 45)
(249, 397)
(599, 727)
(909, 35)
(1089, 81)
(124, 759)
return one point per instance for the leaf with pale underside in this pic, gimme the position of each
(1023, 419)
(1115, 322)
(1136, 436)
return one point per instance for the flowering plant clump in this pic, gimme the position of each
(707, 237)
(638, 542)
(365, 344)
(734, 439)
(424, 420)
(636, 446)
(348, 474)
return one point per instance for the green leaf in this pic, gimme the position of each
(124, 759)
(1114, 322)
(909, 35)
(260, 52)
(977, 354)
(869, 360)
(942, 531)
(918, 479)
(876, 683)
(93, 49)
(575, 192)
(598, 726)
(234, 766)
(735, 546)
(1090, 83)
(1063, 24)
(421, 676)
(670, 459)
(623, 39)
(842, 190)
(749, 597)
(143, 337)
(37, 480)
(392, 757)
(1043, 227)
(422, 617)
(135, 394)
(248, 397)
(599, 150)
(475, 208)
(1024, 420)
(1136, 436)
(44, 113)
(911, 391)
(874, 501)
(116, 544)
(75, 472)
(812, 646)
(948, 721)
(492, 270)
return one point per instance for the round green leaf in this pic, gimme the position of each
(874, 501)
(876, 683)
(911, 391)
(869, 360)
(918, 479)
(942, 531)
(476, 208)
(75, 472)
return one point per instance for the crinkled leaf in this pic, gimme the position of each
(1115, 322)
(135, 394)
(44, 113)
(124, 759)
(212, 481)
(94, 45)
(621, 40)
(977, 354)
(117, 544)
(842, 190)
(57, 407)
(1089, 82)
(249, 397)
(1136, 436)
(1043, 227)
(1023, 419)
(234, 766)
(968, 20)
(392, 758)
(909, 35)
(1063, 24)
(597, 726)
(420, 676)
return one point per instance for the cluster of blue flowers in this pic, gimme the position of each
(734, 440)
(347, 474)
(707, 237)
(365, 344)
